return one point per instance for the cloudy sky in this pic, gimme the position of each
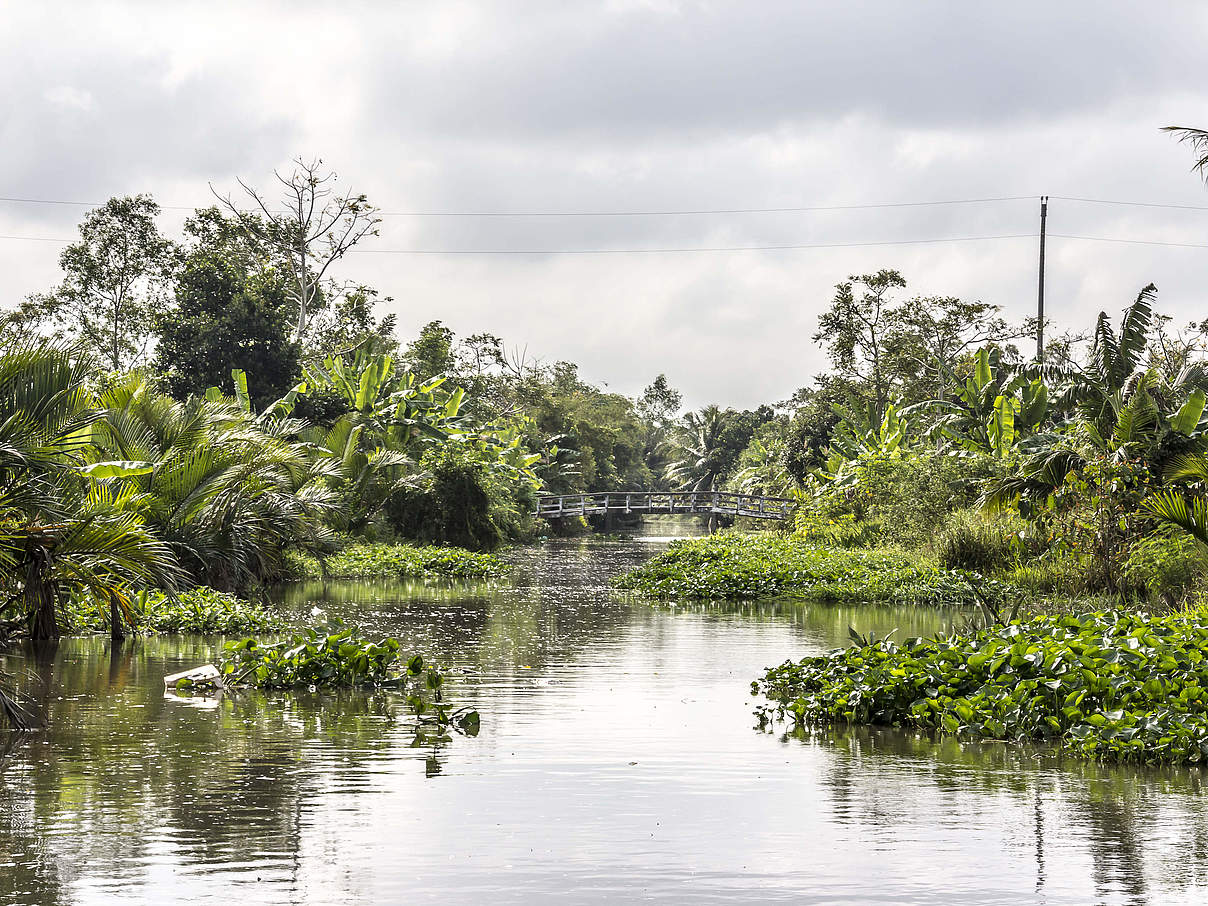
(639, 106)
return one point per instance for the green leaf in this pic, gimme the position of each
(117, 469)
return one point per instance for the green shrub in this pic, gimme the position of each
(1117, 687)
(732, 565)
(463, 503)
(1165, 566)
(397, 561)
(843, 530)
(906, 496)
(980, 541)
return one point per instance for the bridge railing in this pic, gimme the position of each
(721, 502)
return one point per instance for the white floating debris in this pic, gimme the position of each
(207, 673)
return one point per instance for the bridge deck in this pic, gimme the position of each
(557, 506)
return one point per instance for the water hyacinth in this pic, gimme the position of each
(1108, 686)
(732, 565)
(336, 657)
(398, 561)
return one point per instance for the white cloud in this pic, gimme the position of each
(641, 106)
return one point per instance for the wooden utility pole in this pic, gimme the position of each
(1044, 212)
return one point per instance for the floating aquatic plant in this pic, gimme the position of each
(1110, 686)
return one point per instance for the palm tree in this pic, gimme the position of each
(696, 459)
(1187, 510)
(61, 533)
(1198, 139)
(225, 488)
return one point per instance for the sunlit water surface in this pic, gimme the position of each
(618, 762)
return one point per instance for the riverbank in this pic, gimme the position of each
(365, 560)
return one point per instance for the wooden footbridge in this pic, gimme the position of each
(709, 503)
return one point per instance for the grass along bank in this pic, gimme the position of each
(199, 610)
(1109, 686)
(735, 565)
(396, 561)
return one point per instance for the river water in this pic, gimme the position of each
(618, 762)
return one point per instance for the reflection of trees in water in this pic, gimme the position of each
(26, 875)
(215, 785)
(1143, 828)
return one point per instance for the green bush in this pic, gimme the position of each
(1117, 687)
(732, 565)
(396, 561)
(899, 498)
(842, 530)
(463, 503)
(1165, 567)
(980, 541)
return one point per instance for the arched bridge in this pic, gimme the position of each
(557, 506)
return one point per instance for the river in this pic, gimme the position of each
(618, 761)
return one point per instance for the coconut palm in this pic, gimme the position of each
(697, 457)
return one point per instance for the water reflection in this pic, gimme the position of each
(617, 762)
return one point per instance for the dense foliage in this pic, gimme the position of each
(1111, 686)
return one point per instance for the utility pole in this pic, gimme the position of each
(1044, 213)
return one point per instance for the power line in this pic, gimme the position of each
(689, 212)
(650, 213)
(705, 211)
(1178, 245)
(723, 248)
(1133, 204)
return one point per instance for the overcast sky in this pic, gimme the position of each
(641, 106)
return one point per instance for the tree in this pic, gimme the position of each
(229, 314)
(698, 463)
(816, 413)
(224, 487)
(927, 339)
(855, 329)
(61, 532)
(431, 353)
(657, 407)
(348, 323)
(316, 228)
(115, 279)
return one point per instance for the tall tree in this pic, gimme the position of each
(308, 230)
(229, 313)
(115, 279)
(927, 339)
(855, 329)
(657, 407)
(431, 353)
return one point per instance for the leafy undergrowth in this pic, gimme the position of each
(733, 565)
(1110, 686)
(335, 657)
(199, 610)
(398, 561)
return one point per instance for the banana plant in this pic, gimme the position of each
(990, 411)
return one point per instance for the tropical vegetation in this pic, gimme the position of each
(1122, 687)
